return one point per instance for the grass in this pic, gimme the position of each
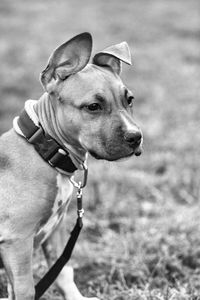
(141, 234)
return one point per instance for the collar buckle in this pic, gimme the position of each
(57, 157)
(36, 135)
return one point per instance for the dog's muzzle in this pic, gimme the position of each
(134, 141)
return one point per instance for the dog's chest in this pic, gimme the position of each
(65, 189)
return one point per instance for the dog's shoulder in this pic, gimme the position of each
(15, 152)
(10, 149)
(5, 161)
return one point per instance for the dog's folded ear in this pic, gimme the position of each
(69, 58)
(113, 57)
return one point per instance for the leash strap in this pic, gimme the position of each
(50, 150)
(54, 271)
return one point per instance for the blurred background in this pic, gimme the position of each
(141, 238)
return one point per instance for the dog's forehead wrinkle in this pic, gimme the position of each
(102, 82)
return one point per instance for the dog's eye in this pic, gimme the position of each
(94, 107)
(130, 100)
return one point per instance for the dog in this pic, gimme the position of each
(85, 108)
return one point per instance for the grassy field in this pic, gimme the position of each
(141, 238)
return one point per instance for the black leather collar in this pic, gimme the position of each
(50, 150)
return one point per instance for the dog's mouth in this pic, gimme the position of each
(95, 155)
(136, 152)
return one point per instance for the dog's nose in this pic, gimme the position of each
(133, 137)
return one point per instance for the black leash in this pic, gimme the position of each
(54, 271)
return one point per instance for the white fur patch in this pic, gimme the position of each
(65, 189)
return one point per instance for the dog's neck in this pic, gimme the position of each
(44, 108)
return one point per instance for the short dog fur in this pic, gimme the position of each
(87, 109)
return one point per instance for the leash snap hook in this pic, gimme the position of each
(85, 176)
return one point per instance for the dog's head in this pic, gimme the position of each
(93, 108)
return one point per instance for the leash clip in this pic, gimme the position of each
(81, 185)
